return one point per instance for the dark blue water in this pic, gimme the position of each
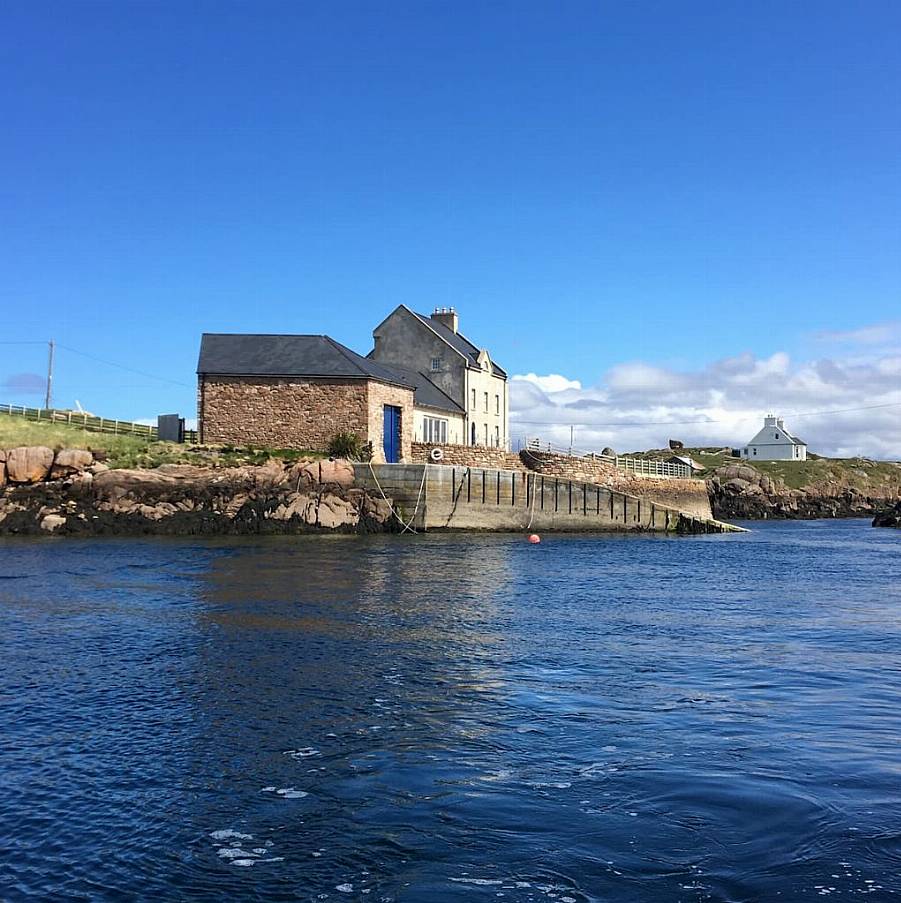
(453, 717)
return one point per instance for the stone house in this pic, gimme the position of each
(775, 443)
(298, 391)
(434, 348)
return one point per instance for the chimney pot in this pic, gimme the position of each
(447, 317)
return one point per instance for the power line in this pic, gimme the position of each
(101, 360)
(871, 407)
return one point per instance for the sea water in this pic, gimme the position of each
(453, 717)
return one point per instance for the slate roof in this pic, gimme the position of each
(792, 439)
(457, 341)
(428, 395)
(230, 354)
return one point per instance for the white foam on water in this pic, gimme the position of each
(316, 855)
(502, 774)
(228, 834)
(267, 790)
(260, 850)
(345, 888)
(481, 882)
(233, 853)
(290, 793)
(609, 748)
(305, 752)
(243, 862)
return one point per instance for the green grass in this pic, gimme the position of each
(136, 452)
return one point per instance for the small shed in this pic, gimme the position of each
(299, 391)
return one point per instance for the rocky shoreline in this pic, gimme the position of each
(739, 492)
(889, 517)
(71, 493)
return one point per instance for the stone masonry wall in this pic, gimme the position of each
(280, 412)
(686, 495)
(380, 394)
(469, 456)
(587, 470)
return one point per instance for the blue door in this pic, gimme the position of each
(391, 433)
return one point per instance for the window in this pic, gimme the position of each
(497, 437)
(434, 430)
(486, 434)
(436, 364)
(775, 435)
(473, 402)
(497, 404)
(755, 450)
(486, 402)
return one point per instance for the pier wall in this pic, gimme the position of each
(444, 497)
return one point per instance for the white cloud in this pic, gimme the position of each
(553, 382)
(637, 405)
(876, 334)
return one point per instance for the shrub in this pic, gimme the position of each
(346, 445)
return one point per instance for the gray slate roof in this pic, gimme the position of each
(288, 355)
(428, 395)
(460, 342)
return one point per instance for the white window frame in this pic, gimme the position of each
(434, 430)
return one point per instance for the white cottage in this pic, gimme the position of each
(775, 443)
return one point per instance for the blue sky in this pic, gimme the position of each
(592, 185)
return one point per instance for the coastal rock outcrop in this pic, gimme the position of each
(739, 491)
(889, 517)
(69, 461)
(28, 463)
(72, 495)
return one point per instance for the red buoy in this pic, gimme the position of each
(534, 538)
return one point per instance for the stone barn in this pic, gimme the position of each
(298, 391)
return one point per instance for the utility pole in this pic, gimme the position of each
(49, 396)
(571, 441)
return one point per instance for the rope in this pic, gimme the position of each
(407, 527)
(534, 493)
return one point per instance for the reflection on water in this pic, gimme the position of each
(453, 717)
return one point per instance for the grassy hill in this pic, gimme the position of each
(133, 451)
(871, 477)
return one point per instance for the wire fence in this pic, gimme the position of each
(89, 422)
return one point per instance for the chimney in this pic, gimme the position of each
(769, 420)
(447, 316)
